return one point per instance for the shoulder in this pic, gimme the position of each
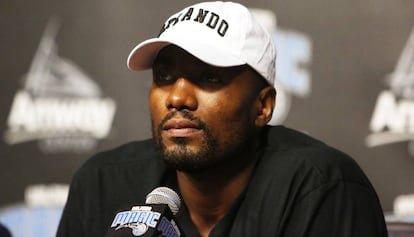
(135, 164)
(129, 152)
(294, 166)
(305, 154)
(133, 154)
(299, 178)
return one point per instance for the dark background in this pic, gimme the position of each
(355, 44)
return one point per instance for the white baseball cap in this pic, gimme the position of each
(218, 33)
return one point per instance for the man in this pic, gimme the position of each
(211, 99)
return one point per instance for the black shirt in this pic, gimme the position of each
(300, 187)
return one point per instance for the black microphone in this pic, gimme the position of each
(155, 218)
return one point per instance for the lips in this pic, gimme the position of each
(181, 128)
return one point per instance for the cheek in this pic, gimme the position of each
(230, 124)
(227, 108)
(157, 105)
(225, 114)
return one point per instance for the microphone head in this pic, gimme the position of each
(164, 195)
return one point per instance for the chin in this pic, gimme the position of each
(188, 159)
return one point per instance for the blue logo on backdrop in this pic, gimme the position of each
(294, 54)
(39, 215)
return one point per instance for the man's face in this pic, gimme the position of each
(202, 116)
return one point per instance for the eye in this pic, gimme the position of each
(162, 75)
(210, 78)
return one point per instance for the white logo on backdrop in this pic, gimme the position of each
(294, 54)
(393, 117)
(59, 105)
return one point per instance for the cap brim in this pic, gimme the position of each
(143, 55)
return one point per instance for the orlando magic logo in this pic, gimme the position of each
(139, 219)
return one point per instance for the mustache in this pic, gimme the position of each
(184, 114)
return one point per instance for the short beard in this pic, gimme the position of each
(181, 157)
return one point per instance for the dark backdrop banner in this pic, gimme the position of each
(345, 74)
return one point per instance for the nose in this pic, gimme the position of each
(182, 95)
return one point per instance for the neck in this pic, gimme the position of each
(210, 195)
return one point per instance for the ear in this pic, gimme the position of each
(266, 101)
